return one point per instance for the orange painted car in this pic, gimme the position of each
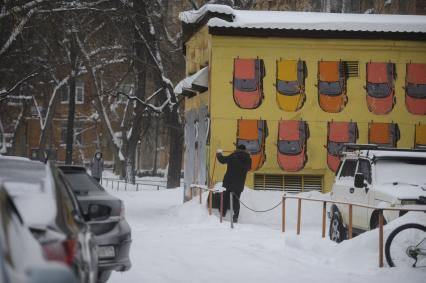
(415, 89)
(248, 82)
(290, 84)
(383, 134)
(331, 86)
(339, 133)
(380, 87)
(292, 136)
(252, 134)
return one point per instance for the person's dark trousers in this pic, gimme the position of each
(235, 202)
(97, 179)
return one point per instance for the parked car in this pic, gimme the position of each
(376, 176)
(105, 215)
(21, 257)
(49, 208)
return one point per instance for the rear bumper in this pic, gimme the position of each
(120, 238)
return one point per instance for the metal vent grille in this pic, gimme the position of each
(288, 183)
(351, 69)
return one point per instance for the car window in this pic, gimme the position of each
(348, 168)
(364, 167)
(65, 202)
(82, 182)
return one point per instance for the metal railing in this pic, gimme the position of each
(152, 183)
(350, 207)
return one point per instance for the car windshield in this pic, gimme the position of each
(245, 85)
(290, 147)
(416, 91)
(31, 186)
(408, 171)
(378, 90)
(81, 182)
(335, 147)
(252, 146)
(330, 88)
(288, 87)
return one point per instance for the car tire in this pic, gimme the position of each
(337, 231)
(375, 222)
(103, 276)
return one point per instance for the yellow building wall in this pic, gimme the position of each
(224, 112)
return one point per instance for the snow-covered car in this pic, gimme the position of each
(105, 215)
(51, 211)
(378, 177)
(21, 257)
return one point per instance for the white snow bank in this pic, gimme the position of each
(180, 242)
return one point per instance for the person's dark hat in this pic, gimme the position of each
(241, 147)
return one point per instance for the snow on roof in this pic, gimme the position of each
(199, 79)
(308, 20)
(194, 16)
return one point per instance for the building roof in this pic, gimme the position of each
(221, 17)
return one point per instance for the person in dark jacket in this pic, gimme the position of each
(97, 166)
(238, 164)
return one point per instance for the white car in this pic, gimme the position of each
(379, 177)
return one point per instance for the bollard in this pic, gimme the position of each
(299, 213)
(199, 189)
(125, 185)
(221, 206)
(324, 209)
(380, 238)
(210, 202)
(231, 212)
(137, 187)
(283, 215)
(350, 222)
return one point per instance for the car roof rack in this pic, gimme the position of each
(349, 147)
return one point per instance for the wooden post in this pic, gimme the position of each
(350, 222)
(299, 216)
(200, 190)
(283, 215)
(380, 238)
(324, 209)
(221, 206)
(210, 202)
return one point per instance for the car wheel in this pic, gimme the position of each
(375, 222)
(103, 276)
(337, 230)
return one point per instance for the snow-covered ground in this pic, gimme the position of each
(180, 242)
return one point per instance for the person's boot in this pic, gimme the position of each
(235, 218)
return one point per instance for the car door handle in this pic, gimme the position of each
(351, 190)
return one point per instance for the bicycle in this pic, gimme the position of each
(406, 246)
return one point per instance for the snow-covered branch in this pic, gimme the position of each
(4, 93)
(16, 31)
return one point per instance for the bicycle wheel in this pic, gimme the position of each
(406, 246)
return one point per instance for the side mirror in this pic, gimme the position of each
(359, 180)
(98, 212)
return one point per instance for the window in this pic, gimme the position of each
(365, 168)
(348, 169)
(65, 94)
(79, 92)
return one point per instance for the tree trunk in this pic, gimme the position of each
(175, 149)
(71, 107)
